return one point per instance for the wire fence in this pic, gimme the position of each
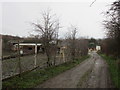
(10, 67)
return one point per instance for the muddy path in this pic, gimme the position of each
(99, 76)
(74, 78)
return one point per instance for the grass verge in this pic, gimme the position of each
(36, 77)
(114, 70)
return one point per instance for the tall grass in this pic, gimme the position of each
(113, 68)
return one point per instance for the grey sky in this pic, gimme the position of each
(16, 16)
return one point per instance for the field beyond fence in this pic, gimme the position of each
(10, 66)
(38, 76)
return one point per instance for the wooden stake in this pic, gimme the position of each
(19, 63)
(1, 63)
(35, 55)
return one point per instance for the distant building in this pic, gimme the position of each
(98, 48)
(30, 47)
(27, 47)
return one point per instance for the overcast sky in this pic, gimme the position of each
(16, 16)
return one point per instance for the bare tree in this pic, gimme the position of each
(48, 32)
(71, 38)
(112, 25)
(76, 47)
(82, 47)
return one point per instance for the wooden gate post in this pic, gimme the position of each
(0, 62)
(35, 61)
(19, 59)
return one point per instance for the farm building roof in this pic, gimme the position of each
(28, 44)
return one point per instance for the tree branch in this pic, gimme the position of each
(92, 3)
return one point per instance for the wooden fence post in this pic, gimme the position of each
(35, 55)
(19, 59)
(0, 62)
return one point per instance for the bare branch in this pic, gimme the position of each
(92, 3)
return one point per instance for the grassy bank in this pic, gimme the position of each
(114, 70)
(36, 77)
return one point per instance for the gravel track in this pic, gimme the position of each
(98, 78)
